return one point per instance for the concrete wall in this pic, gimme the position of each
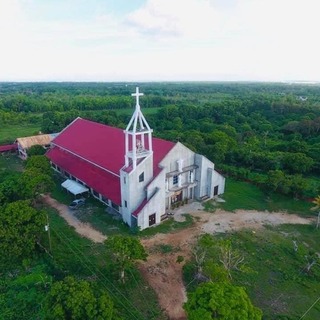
(218, 179)
(207, 178)
(132, 191)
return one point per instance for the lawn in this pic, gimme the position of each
(243, 195)
(9, 132)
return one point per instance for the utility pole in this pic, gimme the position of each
(47, 228)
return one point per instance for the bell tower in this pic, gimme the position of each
(138, 136)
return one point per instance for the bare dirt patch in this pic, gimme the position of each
(84, 229)
(162, 270)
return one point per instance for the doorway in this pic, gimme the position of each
(152, 219)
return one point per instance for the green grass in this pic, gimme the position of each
(278, 282)
(168, 226)
(10, 162)
(9, 132)
(274, 274)
(243, 195)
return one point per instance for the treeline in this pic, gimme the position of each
(251, 139)
(242, 127)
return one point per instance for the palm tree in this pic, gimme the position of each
(316, 201)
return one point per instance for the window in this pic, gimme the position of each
(141, 177)
(124, 180)
(115, 206)
(175, 179)
(105, 200)
(125, 203)
(95, 193)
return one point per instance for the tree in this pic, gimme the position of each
(125, 250)
(230, 258)
(11, 188)
(20, 227)
(78, 299)
(220, 301)
(41, 163)
(35, 183)
(36, 150)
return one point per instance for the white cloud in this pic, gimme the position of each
(178, 18)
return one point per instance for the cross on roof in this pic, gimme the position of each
(137, 95)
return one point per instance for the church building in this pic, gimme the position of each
(138, 175)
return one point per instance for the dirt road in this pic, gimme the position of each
(84, 229)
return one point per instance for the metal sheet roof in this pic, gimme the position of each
(74, 187)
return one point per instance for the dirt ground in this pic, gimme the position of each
(84, 229)
(161, 270)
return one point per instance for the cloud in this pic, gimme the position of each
(176, 19)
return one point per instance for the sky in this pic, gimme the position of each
(159, 40)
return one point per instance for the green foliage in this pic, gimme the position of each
(11, 188)
(20, 227)
(220, 301)
(35, 183)
(126, 250)
(78, 299)
(40, 163)
(36, 150)
(20, 291)
(243, 195)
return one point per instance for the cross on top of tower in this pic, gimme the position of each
(137, 95)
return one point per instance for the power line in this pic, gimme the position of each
(95, 274)
(310, 308)
(154, 315)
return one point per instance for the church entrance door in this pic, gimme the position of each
(215, 190)
(152, 219)
(176, 197)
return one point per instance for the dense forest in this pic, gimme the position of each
(267, 133)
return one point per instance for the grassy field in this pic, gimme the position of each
(278, 281)
(243, 195)
(9, 132)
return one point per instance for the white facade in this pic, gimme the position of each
(184, 176)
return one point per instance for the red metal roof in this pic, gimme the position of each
(103, 146)
(8, 147)
(93, 176)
